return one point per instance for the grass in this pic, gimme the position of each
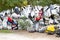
(5, 31)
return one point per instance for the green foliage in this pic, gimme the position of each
(24, 24)
(24, 18)
(8, 4)
(45, 2)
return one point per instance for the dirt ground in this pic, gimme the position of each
(24, 35)
(37, 35)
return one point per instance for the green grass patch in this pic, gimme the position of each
(5, 31)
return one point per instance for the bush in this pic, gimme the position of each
(24, 24)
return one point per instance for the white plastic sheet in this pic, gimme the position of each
(5, 22)
(15, 15)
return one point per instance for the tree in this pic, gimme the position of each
(8, 4)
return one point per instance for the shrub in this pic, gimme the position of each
(24, 24)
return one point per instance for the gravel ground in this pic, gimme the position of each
(24, 35)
